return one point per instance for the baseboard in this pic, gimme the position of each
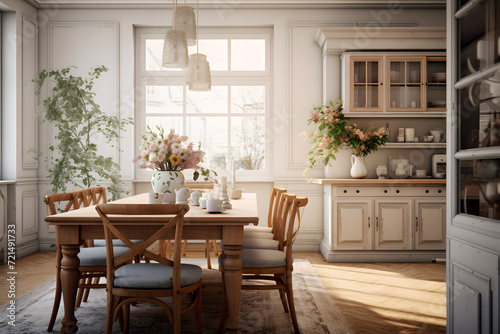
(27, 249)
(382, 256)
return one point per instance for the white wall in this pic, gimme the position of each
(19, 122)
(297, 78)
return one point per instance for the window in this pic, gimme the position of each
(232, 119)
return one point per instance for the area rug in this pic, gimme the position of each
(260, 312)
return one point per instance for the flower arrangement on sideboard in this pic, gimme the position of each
(333, 130)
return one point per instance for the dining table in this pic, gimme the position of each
(73, 227)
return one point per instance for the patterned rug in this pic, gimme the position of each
(260, 312)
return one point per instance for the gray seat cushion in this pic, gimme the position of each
(116, 242)
(96, 256)
(259, 258)
(257, 234)
(260, 243)
(154, 276)
(252, 228)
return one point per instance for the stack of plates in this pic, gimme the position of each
(439, 77)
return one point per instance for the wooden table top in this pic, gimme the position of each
(244, 210)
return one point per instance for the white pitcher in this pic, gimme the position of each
(358, 169)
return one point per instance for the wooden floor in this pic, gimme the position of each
(374, 297)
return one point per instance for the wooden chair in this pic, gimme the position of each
(132, 282)
(268, 231)
(262, 239)
(271, 265)
(92, 261)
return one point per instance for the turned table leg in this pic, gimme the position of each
(70, 275)
(232, 237)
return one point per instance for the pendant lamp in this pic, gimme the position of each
(199, 77)
(175, 51)
(184, 19)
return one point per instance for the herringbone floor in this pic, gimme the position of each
(374, 297)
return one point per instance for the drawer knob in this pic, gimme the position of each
(439, 191)
(357, 191)
(385, 191)
(397, 191)
(427, 191)
(345, 191)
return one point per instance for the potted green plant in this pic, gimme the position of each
(77, 119)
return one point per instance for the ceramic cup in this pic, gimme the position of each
(214, 205)
(155, 198)
(409, 135)
(436, 136)
(421, 173)
(236, 193)
(203, 203)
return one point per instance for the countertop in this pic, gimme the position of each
(381, 182)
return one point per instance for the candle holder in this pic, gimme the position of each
(224, 197)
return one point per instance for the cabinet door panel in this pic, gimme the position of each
(392, 224)
(352, 225)
(430, 225)
(365, 84)
(406, 80)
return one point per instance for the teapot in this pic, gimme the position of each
(195, 198)
(181, 196)
(169, 197)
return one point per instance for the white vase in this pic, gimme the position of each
(165, 182)
(358, 169)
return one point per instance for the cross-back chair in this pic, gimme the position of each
(271, 265)
(92, 261)
(132, 282)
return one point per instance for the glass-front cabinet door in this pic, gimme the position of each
(473, 253)
(406, 83)
(436, 83)
(366, 84)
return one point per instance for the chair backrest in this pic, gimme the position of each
(71, 199)
(283, 208)
(93, 196)
(170, 218)
(298, 202)
(273, 205)
(75, 199)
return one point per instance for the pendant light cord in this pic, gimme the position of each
(197, 27)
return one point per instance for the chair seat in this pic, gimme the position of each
(96, 256)
(154, 276)
(116, 242)
(260, 243)
(259, 258)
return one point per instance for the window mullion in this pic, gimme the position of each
(229, 130)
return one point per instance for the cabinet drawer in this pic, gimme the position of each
(391, 191)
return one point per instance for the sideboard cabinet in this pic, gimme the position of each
(384, 220)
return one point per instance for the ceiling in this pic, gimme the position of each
(238, 3)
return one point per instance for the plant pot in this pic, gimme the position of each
(166, 182)
(358, 169)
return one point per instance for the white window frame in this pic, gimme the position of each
(228, 78)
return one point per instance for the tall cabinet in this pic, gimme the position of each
(473, 231)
